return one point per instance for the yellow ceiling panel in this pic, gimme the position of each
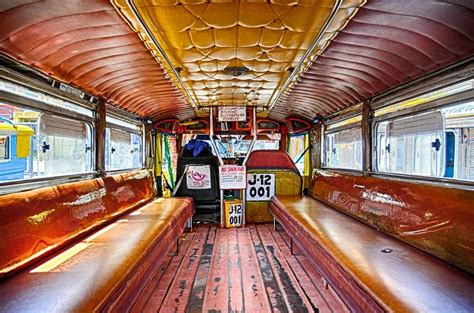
(230, 52)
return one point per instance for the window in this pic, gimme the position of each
(437, 144)
(343, 149)
(4, 148)
(64, 145)
(124, 149)
(237, 146)
(296, 149)
(36, 144)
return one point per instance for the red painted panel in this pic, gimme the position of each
(36, 222)
(435, 219)
(270, 159)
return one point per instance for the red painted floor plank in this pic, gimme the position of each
(333, 301)
(178, 294)
(154, 281)
(212, 234)
(255, 297)
(237, 270)
(293, 294)
(196, 300)
(216, 297)
(235, 288)
(330, 296)
(307, 285)
(272, 288)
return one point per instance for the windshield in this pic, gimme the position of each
(237, 146)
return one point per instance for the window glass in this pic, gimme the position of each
(29, 93)
(343, 149)
(64, 145)
(124, 149)
(40, 144)
(4, 148)
(237, 146)
(437, 144)
(296, 149)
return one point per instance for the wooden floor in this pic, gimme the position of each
(237, 270)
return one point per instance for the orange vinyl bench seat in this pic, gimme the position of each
(348, 253)
(105, 270)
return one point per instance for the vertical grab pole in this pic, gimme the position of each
(244, 192)
(254, 139)
(214, 146)
(211, 135)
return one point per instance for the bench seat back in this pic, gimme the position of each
(104, 271)
(40, 221)
(435, 219)
(287, 180)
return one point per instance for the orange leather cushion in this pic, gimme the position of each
(405, 280)
(36, 222)
(436, 219)
(84, 276)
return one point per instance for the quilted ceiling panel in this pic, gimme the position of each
(88, 45)
(386, 44)
(231, 52)
(364, 52)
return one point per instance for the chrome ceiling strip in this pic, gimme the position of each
(308, 52)
(140, 20)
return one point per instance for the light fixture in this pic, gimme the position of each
(236, 71)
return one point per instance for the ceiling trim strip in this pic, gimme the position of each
(298, 68)
(146, 29)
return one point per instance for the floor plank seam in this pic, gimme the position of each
(172, 285)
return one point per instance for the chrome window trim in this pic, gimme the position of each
(442, 78)
(45, 181)
(434, 181)
(459, 98)
(125, 170)
(27, 82)
(43, 107)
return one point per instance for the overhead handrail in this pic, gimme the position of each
(140, 20)
(310, 50)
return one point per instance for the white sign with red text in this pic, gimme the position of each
(232, 177)
(232, 114)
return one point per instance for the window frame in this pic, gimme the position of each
(426, 107)
(47, 108)
(343, 123)
(138, 128)
(91, 133)
(9, 146)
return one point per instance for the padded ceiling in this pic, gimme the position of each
(385, 45)
(362, 54)
(88, 45)
(203, 38)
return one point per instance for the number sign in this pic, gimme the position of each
(260, 187)
(234, 215)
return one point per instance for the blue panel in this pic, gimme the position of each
(14, 168)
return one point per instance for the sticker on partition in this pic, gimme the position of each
(198, 177)
(260, 187)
